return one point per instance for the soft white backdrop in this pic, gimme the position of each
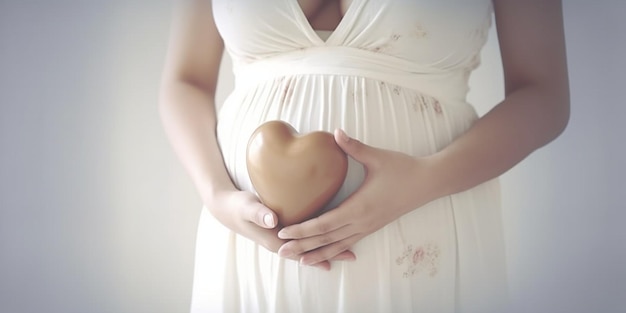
(97, 215)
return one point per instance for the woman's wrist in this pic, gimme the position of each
(433, 176)
(211, 190)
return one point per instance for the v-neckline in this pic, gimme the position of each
(312, 32)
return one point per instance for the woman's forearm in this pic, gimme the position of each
(536, 107)
(527, 119)
(189, 119)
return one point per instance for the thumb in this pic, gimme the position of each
(261, 215)
(354, 148)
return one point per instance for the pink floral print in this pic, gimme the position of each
(421, 259)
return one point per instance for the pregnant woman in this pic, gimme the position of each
(416, 226)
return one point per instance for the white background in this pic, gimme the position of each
(97, 215)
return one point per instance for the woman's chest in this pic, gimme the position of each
(324, 14)
(424, 31)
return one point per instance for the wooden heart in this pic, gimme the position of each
(294, 175)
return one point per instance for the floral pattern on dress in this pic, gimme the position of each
(423, 103)
(386, 45)
(419, 31)
(421, 259)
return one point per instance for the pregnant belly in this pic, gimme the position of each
(377, 113)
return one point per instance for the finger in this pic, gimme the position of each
(328, 252)
(344, 256)
(270, 243)
(268, 239)
(300, 246)
(325, 265)
(325, 223)
(354, 148)
(264, 237)
(259, 214)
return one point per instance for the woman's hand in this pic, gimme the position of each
(395, 184)
(242, 212)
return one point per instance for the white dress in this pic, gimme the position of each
(394, 74)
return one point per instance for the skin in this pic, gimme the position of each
(534, 112)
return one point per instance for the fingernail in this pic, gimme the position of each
(343, 136)
(268, 220)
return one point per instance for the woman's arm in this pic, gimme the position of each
(536, 107)
(187, 109)
(534, 112)
(187, 105)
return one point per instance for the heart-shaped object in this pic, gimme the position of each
(295, 175)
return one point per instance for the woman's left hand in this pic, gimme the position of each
(395, 184)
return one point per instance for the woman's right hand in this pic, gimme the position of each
(243, 213)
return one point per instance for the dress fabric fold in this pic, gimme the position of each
(394, 75)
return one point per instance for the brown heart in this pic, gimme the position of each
(294, 175)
